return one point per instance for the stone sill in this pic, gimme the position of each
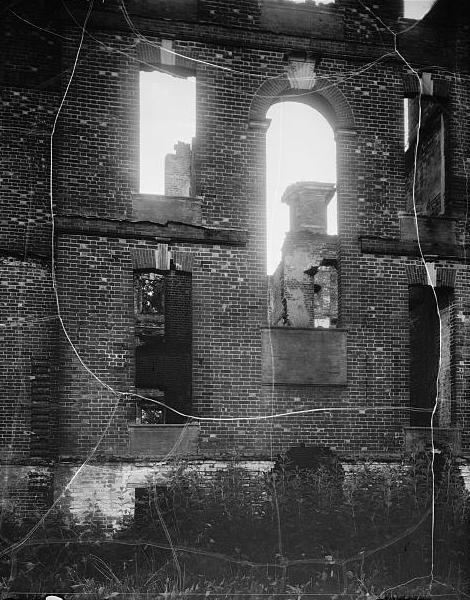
(432, 229)
(399, 247)
(162, 209)
(159, 440)
(418, 439)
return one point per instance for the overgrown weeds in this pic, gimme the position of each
(289, 533)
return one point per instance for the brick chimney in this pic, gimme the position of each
(307, 201)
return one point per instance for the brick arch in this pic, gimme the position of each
(323, 92)
(416, 275)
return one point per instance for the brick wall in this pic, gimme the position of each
(26, 490)
(28, 334)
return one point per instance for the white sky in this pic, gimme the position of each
(416, 9)
(300, 146)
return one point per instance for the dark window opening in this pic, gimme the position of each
(425, 169)
(163, 340)
(150, 301)
(428, 347)
(151, 413)
(325, 305)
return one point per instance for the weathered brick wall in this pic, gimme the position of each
(457, 145)
(96, 165)
(26, 119)
(95, 282)
(30, 54)
(26, 490)
(244, 13)
(28, 336)
(95, 171)
(460, 331)
(109, 490)
(28, 101)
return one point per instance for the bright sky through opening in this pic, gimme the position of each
(167, 116)
(300, 142)
(300, 146)
(416, 9)
(413, 9)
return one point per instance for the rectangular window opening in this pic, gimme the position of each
(425, 168)
(167, 131)
(163, 346)
(426, 346)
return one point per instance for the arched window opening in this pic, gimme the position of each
(300, 146)
(301, 215)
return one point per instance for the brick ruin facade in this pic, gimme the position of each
(167, 297)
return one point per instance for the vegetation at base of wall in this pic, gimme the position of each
(292, 531)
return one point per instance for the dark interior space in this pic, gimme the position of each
(427, 347)
(163, 345)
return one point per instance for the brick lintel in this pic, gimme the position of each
(170, 232)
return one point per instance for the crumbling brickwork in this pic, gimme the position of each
(239, 54)
(178, 171)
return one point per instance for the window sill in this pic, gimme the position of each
(418, 439)
(159, 440)
(162, 209)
